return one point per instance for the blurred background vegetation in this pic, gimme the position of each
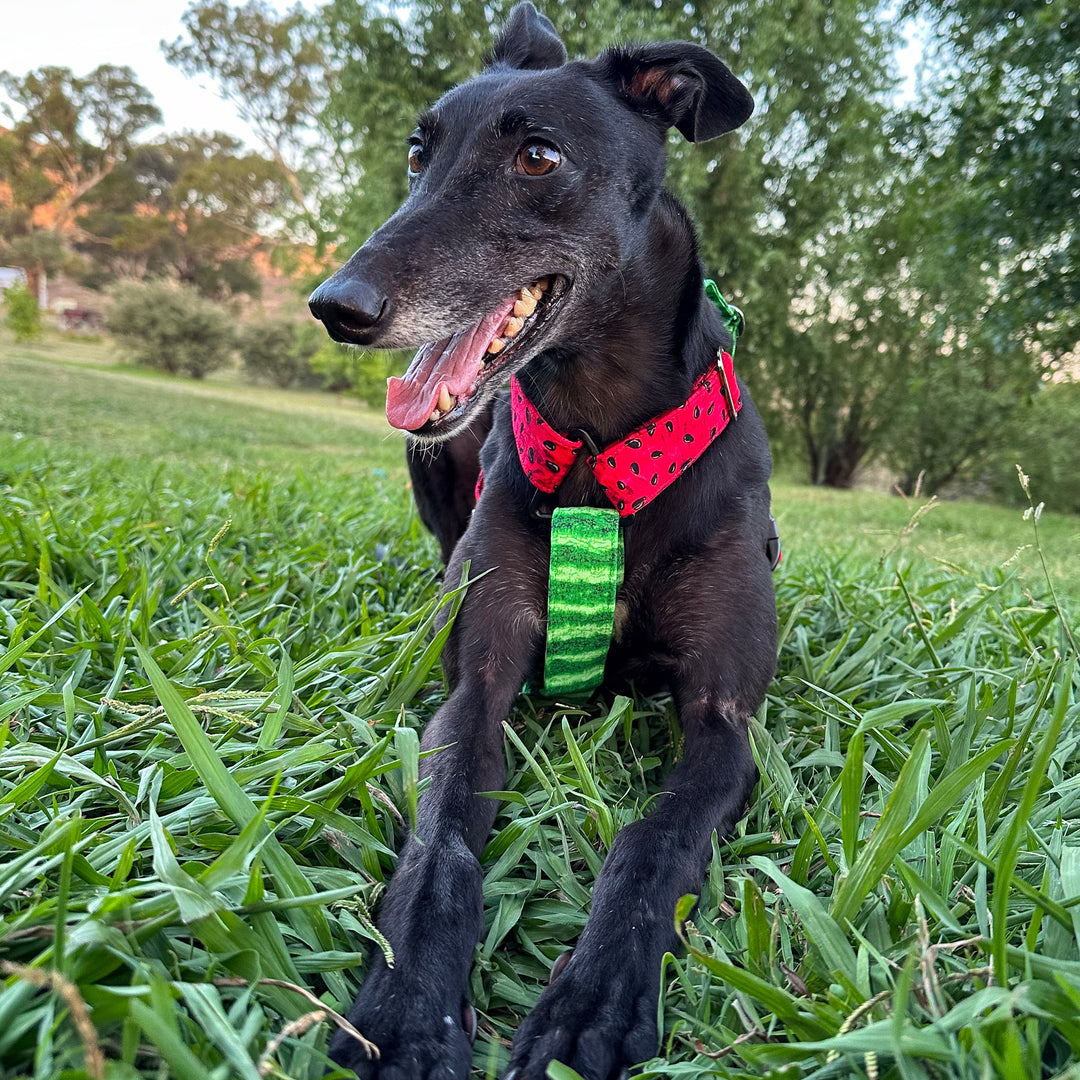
(904, 244)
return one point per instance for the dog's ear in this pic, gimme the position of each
(527, 40)
(682, 84)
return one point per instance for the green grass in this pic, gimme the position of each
(964, 537)
(208, 746)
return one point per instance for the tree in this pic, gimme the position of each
(194, 206)
(1043, 442)
(995, 138)
(968, 375)
(1001, 111)
(271, 68)
(70, 135)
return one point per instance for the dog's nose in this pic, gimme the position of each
(349, 308)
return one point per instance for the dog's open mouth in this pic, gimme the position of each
(447, 376)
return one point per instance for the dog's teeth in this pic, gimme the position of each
(435, 415)
(446, 402)
(513, 327)
(496, 346)
(543, 283)
(524, 307)
(533, 291)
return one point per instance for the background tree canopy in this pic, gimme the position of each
(907, 263)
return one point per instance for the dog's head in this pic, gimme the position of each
(527, 184)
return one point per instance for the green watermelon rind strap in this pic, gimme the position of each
(584, 575)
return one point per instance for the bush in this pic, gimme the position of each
(361, 372)
(21, 312)
(278, 350)
(1045, 443)
(171, 328)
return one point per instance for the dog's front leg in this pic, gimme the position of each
(598, 1015)
(417, 1012)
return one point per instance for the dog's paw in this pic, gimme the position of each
(413, 1042)
(597, 1020)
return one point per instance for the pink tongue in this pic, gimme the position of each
(453, 362)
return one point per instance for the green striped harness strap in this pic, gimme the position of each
(585, 573)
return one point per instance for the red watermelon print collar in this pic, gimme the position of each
(633, 470)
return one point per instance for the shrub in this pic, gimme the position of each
(21, 312)
(171, 328)
(277, 350)
(361, 372)
(1045, 443)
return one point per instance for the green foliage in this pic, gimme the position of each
(214, 207)
(964, 384)
(271, 66)
(995, 133)
(69, 134)
(277, 350)
(22, 315)
(1042, 438)
(1000, 111)
(37, 251)
(72, 149)
(388, 68)
(85, 122)
(171, 327)
(360, 371)
(207, 672)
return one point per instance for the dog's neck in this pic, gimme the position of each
(649, 334)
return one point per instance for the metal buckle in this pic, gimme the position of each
(538, 509)
(772, 544)
(725, 387)
(586, 440)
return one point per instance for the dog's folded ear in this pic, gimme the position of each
(527, 40)
(684, 85)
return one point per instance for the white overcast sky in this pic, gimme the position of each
(82, 35)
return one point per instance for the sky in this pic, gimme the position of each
(81, 35)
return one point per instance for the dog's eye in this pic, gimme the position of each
(537, 159)
(416, 159)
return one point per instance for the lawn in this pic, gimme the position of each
(215, 604)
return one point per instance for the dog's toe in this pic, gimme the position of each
(598, 1026)
(411, 1047)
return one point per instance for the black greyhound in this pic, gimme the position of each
(541, 182)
